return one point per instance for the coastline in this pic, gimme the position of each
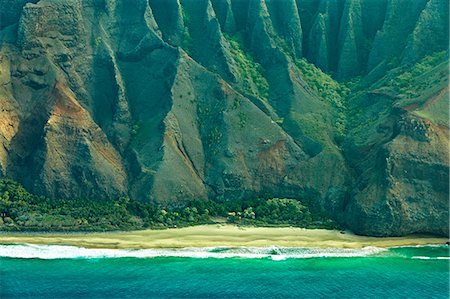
(218, 236)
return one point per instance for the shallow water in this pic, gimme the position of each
(43, 271)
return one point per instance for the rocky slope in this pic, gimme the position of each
(170, 100)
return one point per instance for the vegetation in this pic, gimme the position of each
(21, 210)
(187, 43)
(276, 211)
(328, 89)
(250, 71)
(405, 83)
(214, 138)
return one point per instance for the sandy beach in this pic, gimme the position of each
(217, 235)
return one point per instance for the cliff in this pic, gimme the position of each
(171, 100)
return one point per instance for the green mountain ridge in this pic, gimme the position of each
(169, 101)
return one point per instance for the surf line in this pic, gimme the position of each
(280, 253)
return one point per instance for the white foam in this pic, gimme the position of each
(420, 246)
(421, 257)
(431, 258)
(275, 253)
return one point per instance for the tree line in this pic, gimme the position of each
(22, 210)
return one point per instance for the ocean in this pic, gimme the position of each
(51, 271)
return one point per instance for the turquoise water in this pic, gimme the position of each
(70, 272)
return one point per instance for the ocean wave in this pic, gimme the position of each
(29, 251)
(430, 258)
(420, 246)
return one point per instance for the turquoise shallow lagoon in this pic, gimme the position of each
(66, 272)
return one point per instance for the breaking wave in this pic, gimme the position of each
(29, 251)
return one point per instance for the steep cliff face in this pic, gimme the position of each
(372, 32)
(172, 100)
(399, 148)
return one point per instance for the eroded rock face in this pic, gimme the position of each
(168, 101)
(407, 188)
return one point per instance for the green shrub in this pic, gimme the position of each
(250, 71)
(187, 43)
(329, 91)
(404, 83)
(22, 210)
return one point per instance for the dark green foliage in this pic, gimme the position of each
(41, 213)
(276, 211)
(21, 210)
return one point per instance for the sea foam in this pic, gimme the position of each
(28, 251)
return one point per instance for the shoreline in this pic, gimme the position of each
(217, 236)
